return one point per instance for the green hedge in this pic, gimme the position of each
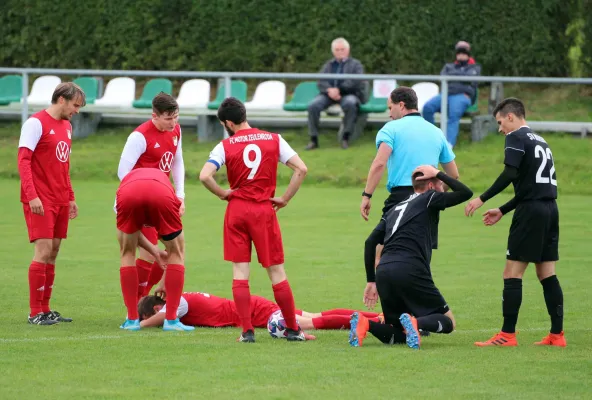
(509, 37)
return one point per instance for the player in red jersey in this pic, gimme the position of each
(155, 144)
(204, 309)
(251, 157)
(46, 192)
(146, 197)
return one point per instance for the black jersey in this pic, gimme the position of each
(531, 155)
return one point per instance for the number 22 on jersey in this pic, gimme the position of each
(254, 164)
(546, 156)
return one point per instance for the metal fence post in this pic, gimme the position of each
(444, 107)
(25, 107)
(227, 94)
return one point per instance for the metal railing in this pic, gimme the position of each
(228, 76)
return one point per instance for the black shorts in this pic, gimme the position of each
(398, 194)
(534, 233)
(408, 288)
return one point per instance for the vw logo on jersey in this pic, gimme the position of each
(166, 162)
(62, 151)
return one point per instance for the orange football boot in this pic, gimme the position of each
(359, 329)
(553, 339)
(500, 339)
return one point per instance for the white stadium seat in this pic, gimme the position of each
(269, 95)
(425, 91)
(42, 90)
(120, 92)
(194, 93)
(382, 88)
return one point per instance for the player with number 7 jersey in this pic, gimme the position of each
(534, 233)
(251, 157)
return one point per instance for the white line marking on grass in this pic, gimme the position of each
(145, 335)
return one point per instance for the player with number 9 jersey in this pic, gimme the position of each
(251, 157)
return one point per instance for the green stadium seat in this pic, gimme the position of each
(374, 105)
(90, 87)
(152, 88)
(238, 89)
(303, 94)
(11, 89)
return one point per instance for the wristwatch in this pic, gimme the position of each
(369, 195)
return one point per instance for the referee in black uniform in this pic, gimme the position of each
(534, 233)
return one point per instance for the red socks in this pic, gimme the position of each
(156, 273)
(49, 277)
(242, 301)
(348, 312)
(285, 299)
(143, 268)
(173, 285)
(128, 277)
(331, 322)
(36, 287)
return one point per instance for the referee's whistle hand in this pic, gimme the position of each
(365, 207)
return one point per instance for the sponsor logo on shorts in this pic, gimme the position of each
(166, 162)
(62, 151)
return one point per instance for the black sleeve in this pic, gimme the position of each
(503, 181)
(509, 206)
(460, 193)
(513, 151)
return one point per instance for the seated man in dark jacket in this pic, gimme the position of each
(460, 94)
(348, 93)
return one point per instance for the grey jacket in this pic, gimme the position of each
(470, 88)
(359, 88)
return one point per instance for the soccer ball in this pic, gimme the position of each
(276, 325)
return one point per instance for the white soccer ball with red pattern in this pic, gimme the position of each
(276, 325)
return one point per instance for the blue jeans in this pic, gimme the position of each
(457, 105)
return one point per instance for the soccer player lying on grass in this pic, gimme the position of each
(203, 309)
(410, 300)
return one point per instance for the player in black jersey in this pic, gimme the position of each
(409, 298)
(534, 233)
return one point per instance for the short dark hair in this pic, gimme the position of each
(233, 110)
(510, 105)
(421, 184)
(146, 305)
(406, 95)
(164, 103)
(69, 91)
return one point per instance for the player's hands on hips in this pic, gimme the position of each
(73, 213)
(473, 206)
(36, 206)
(226, 194)
(428, 172)
(491, 217)
(182, 207)
(370, 295)
(365, 207)
(278, 202)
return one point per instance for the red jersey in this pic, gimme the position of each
(160, 147)
(50, 141)
(251, 157)
(147, 174)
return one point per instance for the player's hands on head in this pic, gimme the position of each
(491, 217)
(428, 172)
(365, 207)
(36, 206)
(370, 295)
(278, 202)
(473, 206)
(182, 207)
(160, 291)
(73, 213)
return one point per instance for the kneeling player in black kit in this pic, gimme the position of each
(409, 298)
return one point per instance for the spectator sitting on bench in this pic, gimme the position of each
(460, 94)
(348, 93)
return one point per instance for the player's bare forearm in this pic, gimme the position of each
(377, 167)
(206, 176)
(300, 171)
(144, 243)
(451, 170)
(154, 321)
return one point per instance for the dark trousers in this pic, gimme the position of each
(376, 237)
(349, 104)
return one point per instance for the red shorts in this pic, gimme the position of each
(52, 225)
(150, 203)
(150, 234)
(248, 222)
